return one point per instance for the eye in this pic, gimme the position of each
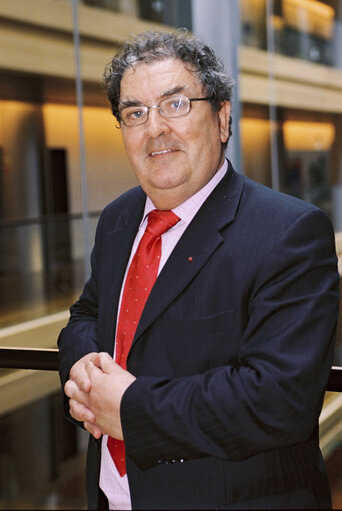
(176, 103)
(175, 106)
(134, 115)
(131, 115)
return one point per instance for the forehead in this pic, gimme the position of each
(155, 79)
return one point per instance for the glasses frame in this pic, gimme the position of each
(148, 108)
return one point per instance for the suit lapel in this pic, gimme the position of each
(198, 243)
(117, 248)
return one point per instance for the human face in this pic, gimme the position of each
(172, 158)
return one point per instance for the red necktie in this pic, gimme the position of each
(141, 276)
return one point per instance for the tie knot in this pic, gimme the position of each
(161, 221)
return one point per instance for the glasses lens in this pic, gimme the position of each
(175, 106)
(133, 115)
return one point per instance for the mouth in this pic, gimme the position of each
(162, 151)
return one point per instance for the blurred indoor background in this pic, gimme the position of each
(62, 161)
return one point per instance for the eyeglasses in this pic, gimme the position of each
(170, 108)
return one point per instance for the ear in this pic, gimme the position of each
(223, 115)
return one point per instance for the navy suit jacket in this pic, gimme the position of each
(232, 352)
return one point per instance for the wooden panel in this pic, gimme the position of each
(94, 22)
(36, 52)
(297, 83)
(259, 62)
(50, 54)
(37, 36)
(257, 89)
(37, 333)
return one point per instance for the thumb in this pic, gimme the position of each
(106, 363)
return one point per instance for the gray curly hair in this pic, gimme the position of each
(153, 46)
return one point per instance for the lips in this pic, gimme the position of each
(163, 151)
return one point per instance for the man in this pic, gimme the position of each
(220, 367)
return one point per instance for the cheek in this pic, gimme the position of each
(132, 145)
(199, 144)
(200, 132)
(192, 140)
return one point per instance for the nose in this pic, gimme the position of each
(156, 124)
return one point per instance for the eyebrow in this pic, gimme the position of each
(171, 92)
(166, 94)
(128, 102)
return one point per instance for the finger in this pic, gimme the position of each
(93, 370)
(81, 377)
(86, 385)
(107, 363)
(71, 389)
(93, 429)
(80, 412)
(96, 361)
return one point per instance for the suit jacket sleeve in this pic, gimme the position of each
(79, 337)
(272, 396)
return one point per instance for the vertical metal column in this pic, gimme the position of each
(218, 23)
(79, 95)
(272, 102)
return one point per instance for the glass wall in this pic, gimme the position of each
(42, 206)
(51, 194)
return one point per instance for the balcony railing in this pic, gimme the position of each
(29, 358)
(47, 360)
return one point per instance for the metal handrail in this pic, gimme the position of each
(43, 359)
(335, 379)
(47, 360)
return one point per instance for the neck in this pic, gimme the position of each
(170, 198)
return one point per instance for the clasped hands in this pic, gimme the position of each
(95, 387)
